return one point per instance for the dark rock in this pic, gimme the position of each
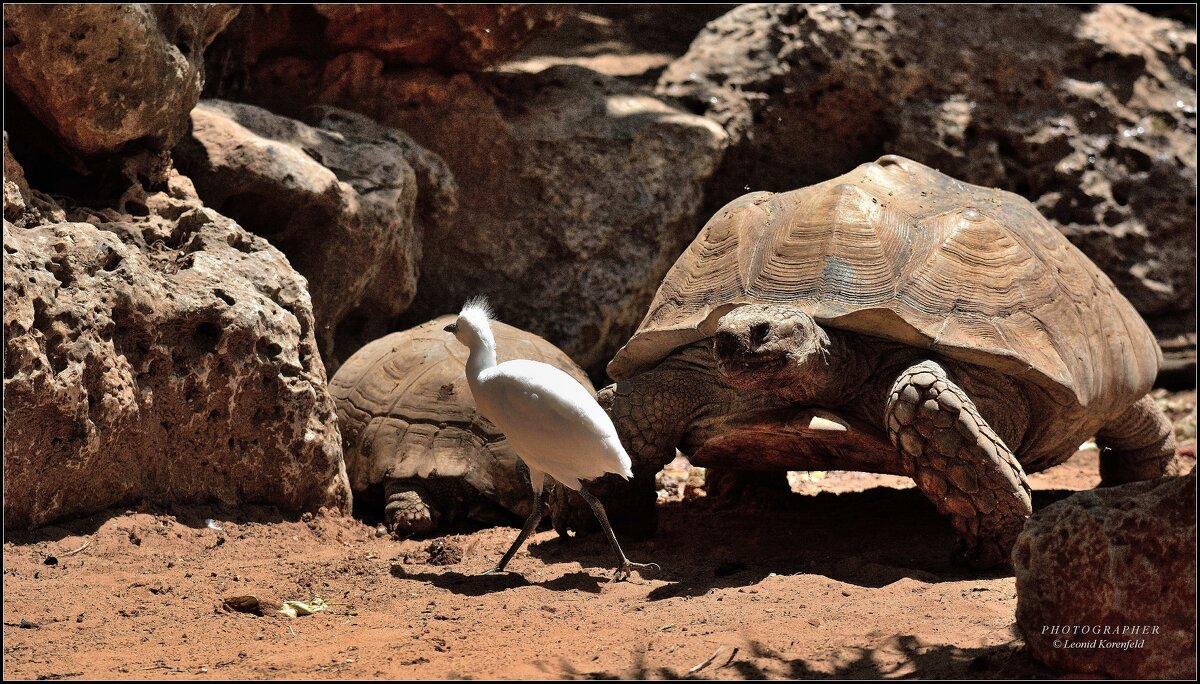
(345, 199)
(449, 37)
(576, 193)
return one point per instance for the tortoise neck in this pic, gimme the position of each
(848, 369)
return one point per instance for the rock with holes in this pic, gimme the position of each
(345, 199)
(575, 190)
(101, 77)
(890, 320)
(458, 37)
(1087, 110)
(1106, 581)
(414, 439)
(17, 196)
(448, 37)
(169, 358)
(24, 206)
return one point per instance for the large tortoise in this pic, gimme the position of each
(409, 423)
(890, 320)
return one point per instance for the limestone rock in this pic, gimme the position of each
(341, 199)
(24, 206)
(460, 37)
(576, 192)
(16, 191)
(166, 357)
(447, 37)
(103, 76)
(1122, 557)
(1088, 111)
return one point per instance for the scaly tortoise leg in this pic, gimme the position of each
(959, 463)
(1136, 445)
(409, 510)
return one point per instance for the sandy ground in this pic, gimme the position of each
(849, 576)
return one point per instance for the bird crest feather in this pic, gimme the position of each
(477, 308)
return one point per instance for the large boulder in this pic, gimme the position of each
(446, 37)
(103, 76)
(460, 37)
(345, 199)
(24, 206)
(576, 192)
(1088, 111)
(17, 196)
(166, 356)
(1106, 581)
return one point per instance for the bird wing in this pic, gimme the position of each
(552, 421)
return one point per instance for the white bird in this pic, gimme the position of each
(552, 422)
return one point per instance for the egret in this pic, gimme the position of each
(552, 422)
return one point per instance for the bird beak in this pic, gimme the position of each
(452, 328)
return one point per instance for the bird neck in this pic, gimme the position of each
(483, 357)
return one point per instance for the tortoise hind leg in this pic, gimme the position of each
(409, 510)
(959, 462)
(1136, 445)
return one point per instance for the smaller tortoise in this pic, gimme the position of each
(890, 320)
(409, 423)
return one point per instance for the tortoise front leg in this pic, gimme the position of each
(959, 462)
(409, 510)
(1136, 445)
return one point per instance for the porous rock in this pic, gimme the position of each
(445, 37)
(167, 357)
(102, 76)
(17, 196)
(24, 206)
(345, 199)
(461, 37)
(1121, 558)
(1088, 111)
(576, 192)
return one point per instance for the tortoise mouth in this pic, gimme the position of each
(750, 368)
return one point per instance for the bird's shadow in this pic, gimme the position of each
(479, 584)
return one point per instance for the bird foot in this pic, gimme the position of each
(494, 571)
(625, 571)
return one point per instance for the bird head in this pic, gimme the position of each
(473, 326)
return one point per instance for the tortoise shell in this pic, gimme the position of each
(405, 411)
(897, 250)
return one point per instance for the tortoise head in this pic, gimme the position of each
(761, 346)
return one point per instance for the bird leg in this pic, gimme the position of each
(625, 567)
(540, 499)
